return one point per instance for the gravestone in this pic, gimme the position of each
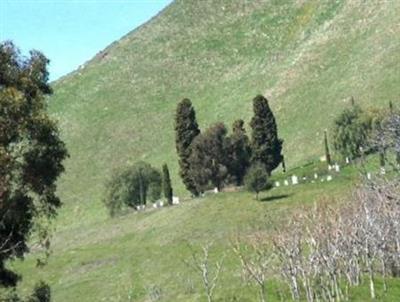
(215, 190)
(295, 180)
(337, 168)
(329, 178)
(383, 171)
(369, 176)
(286, 182)
(277, 184)
(347, 160)
(175, 200)
(315, 176)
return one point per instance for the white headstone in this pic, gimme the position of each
(286, 182)
(383, 170)
(329, 178)
(315, 176)
(347, 160)
(175, 200)
(295, 180)
(369, 175)
(215, 190)
(277, 184)
(154, 205)
(304, 178)
(329, 167)
(337, 168)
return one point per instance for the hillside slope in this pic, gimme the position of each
(307, 57)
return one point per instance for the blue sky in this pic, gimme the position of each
(69, 32)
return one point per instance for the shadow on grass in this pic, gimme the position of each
(274, 197)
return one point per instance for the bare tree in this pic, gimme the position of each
(256, 261)
(209, 273)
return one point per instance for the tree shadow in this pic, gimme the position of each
(274, 197)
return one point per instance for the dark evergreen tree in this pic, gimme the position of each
(239, 152)
(208, 161)
(327, 151)
(265, 143)
(166, 184)
(186, 129)
(31, 154)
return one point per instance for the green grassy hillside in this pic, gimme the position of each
(307, 57)
(140, 256)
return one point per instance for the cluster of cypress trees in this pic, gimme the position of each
(215, 158)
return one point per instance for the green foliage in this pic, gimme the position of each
(41, 293)
(256, 178)
(265, 143)
(186, 129)
(31, 153)
(354, 129)
(208, 160)
(239, 152)
(166, 184)
(132, 186)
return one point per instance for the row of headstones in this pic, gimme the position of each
(294, 180)
(159, 204)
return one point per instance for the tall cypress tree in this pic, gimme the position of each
(186, 129)
(266, 146)
(239, 152)
(327, 151)
(166, 184)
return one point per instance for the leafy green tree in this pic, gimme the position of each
(352, 129)
(208, 158)
(239, 152)
(31, 154)
(186, 129)
(132, 186)
(167, 187)
(256, 178)
(265, 143)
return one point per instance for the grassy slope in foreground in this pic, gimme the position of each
(307, 57)
(110, 259)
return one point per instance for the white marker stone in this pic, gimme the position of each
(295, 180)
(277, 184)
(315, 176)
(383, 171)
(329, 178)
(175, 200)
(216, 190)
(286, 182)
(347, 160)
(337, 168)
(369, 175)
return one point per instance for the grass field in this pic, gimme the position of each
(141, 254)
